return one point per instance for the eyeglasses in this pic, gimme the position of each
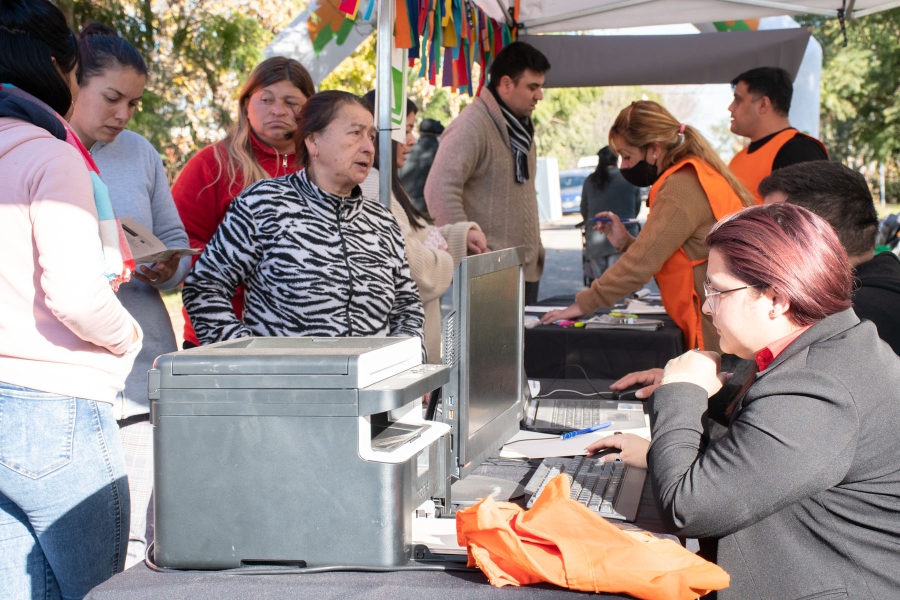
(713, 296)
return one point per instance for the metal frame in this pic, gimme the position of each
(383, 81)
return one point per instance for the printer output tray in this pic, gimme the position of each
(391, 436)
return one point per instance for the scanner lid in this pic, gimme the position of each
(350, 362)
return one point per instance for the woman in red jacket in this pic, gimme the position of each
(261, 145)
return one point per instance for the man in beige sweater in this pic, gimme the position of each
(485, 166)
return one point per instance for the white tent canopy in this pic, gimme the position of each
(541, 16)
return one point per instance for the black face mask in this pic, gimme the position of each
(642, 174)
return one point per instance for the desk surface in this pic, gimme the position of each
(141, 583)
(602, 353)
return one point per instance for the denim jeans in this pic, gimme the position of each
(64, 503)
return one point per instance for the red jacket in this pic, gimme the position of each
(202, 200)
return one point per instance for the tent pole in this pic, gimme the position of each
(383, 82)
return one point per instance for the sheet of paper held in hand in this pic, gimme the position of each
(146, 247)
(531, 444)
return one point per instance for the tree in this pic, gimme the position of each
(573, 122)
(199, 53)
(860, 103)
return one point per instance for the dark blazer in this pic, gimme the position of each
(803, 491)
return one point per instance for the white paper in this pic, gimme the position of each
(530, 444)
(146, 247)
(638, 307)
(438, 534)
(543, 309)
(610, 322)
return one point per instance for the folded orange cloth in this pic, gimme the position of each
(561, 541)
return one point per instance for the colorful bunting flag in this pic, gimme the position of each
(349, 8)
(446, 37)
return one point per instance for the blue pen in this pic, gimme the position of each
(590, 429)
(607, 220)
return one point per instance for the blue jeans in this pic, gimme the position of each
(64, 503)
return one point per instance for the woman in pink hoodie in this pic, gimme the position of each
(66, 343)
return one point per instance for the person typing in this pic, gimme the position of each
(791, 501)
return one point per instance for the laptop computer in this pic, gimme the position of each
(559, 411)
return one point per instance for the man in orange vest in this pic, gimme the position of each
(762, 99)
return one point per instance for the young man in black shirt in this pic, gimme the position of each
(841, 196)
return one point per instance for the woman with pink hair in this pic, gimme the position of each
(800, 497)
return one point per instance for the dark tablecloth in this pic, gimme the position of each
(602, 353)
(142, 583)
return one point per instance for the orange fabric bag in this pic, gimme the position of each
(560, 541)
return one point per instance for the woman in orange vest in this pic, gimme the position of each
(690, 189)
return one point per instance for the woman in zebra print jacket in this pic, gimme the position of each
(315, 257)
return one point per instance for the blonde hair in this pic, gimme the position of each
(645, 122)
(236, 156)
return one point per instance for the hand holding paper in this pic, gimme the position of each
(160, 272)
(146, 247)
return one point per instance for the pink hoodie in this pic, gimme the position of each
(62, 329)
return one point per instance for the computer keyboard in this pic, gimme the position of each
(577, 414)
(609, 488)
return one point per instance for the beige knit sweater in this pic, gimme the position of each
(431, 269)
(681, 217)
(473, 179)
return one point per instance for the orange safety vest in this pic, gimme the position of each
(676, 277)
(751, 169)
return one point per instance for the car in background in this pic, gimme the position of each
(570, 183)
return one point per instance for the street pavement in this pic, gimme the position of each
(563, 274)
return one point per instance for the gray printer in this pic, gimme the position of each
(293, 451)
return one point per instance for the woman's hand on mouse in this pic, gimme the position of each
(632, 449)
(649, 378)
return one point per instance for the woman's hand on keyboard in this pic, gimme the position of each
(649, 378)
(632, 449)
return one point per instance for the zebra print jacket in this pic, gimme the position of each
(312, 264)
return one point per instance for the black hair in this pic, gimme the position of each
(514, 59)
(31, 33)
(836, 193)
(773, 82)
(606, 159)
(416, 220)
(102, 49)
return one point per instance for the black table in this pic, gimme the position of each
(142, 583)
(602, 353)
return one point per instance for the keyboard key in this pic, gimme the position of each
(594, 483)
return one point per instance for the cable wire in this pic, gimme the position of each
(306, 570)
(583, 372)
